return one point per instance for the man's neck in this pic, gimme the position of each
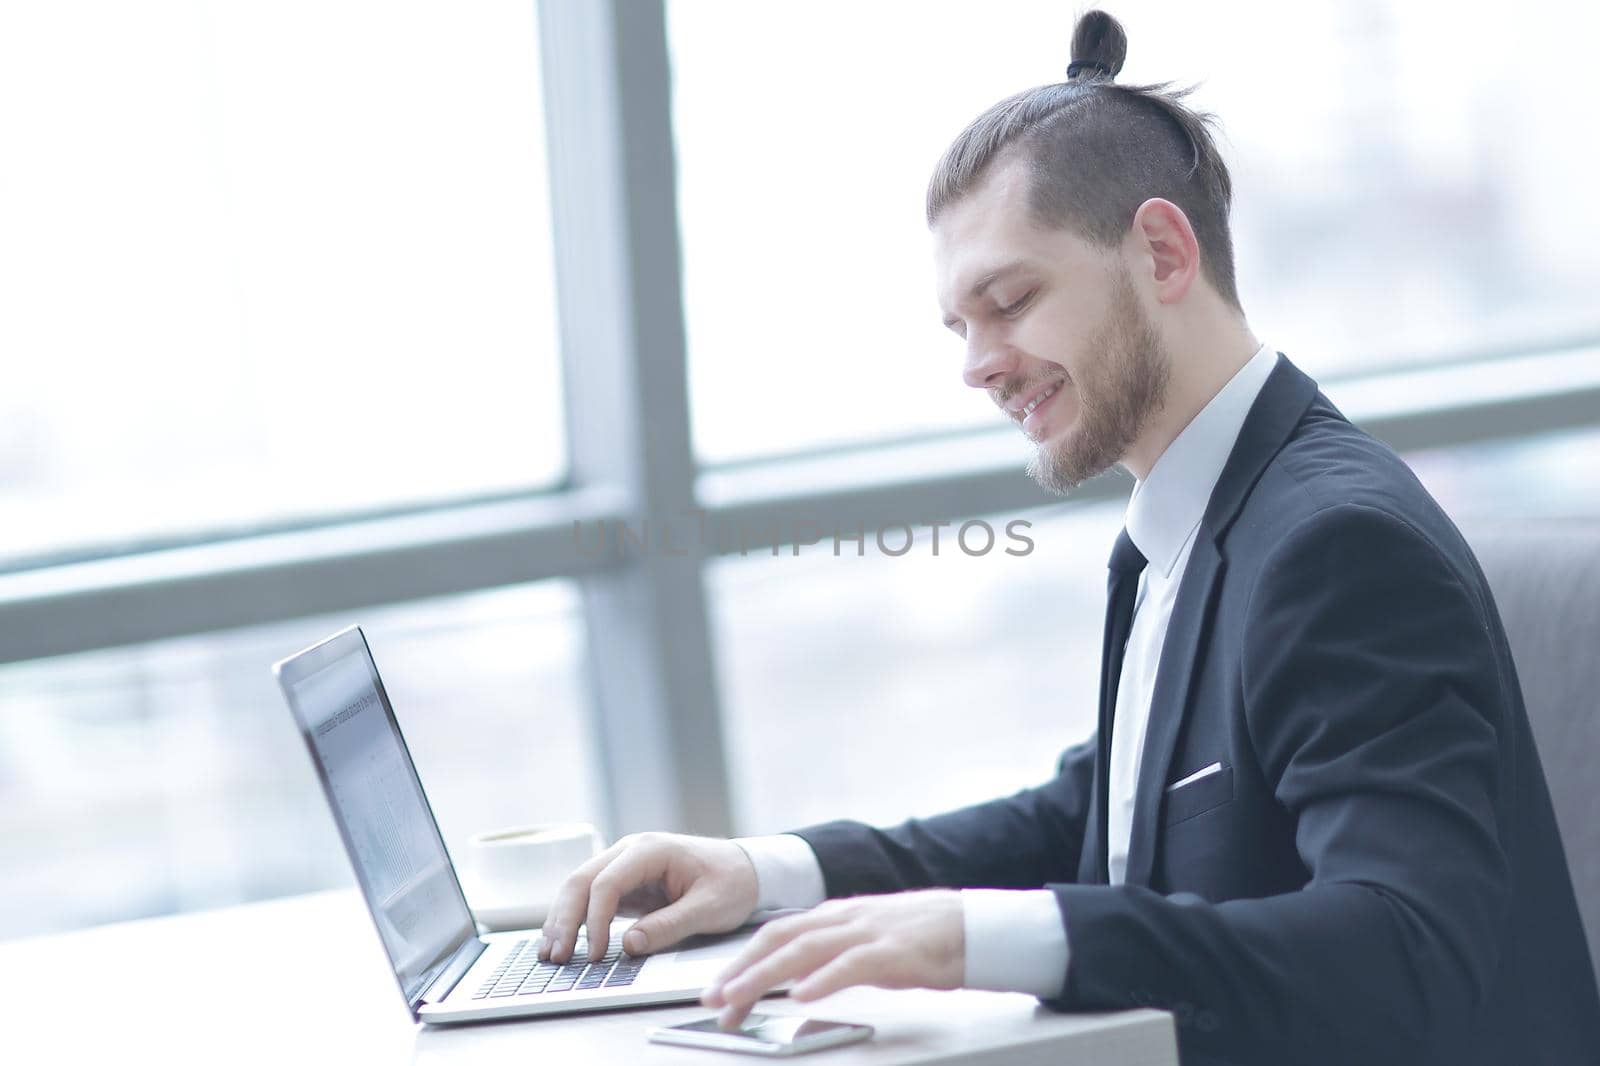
(1196, 379)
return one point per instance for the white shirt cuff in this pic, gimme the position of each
(787, 871)
(1015, 941)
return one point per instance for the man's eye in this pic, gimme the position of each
(1018, 306)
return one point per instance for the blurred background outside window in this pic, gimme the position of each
(266, 263)
(170, 776)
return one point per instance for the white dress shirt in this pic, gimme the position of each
(1015, 939)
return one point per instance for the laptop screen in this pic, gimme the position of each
(378, 803)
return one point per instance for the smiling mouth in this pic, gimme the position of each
(1039, 399)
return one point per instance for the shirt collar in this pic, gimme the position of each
(1168, 504)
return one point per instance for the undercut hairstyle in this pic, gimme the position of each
(1095, 150)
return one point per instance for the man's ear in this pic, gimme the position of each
(1167, 249)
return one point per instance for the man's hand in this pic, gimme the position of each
(682, 884)
(905, 940)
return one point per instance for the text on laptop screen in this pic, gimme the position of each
(394, 842)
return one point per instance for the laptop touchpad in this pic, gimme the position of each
(711, 945)
(708, 950)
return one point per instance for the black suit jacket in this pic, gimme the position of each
(1375, 875)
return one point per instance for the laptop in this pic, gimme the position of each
(446, 970)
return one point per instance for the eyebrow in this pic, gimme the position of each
(987, 280)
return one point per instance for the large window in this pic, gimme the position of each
(263, 262)
(1403, 188)
(170, 776)
(278, 319)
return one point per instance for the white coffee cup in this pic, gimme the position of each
(512, 874)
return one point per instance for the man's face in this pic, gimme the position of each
(1054, 330)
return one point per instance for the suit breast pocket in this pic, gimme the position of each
(1197, 793)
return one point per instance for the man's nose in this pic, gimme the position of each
(988, 363)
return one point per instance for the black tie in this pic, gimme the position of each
(1126, 564)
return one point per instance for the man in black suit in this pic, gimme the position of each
(1312, 822)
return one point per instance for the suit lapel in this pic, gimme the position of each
(1273, 416)
(1191, 618)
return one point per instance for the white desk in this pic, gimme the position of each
(303, 981)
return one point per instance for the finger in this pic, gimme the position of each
(560, 930)
(625, 873)
(733, 1016)
(796, 959)
(861, 965)
(773, 936)
(736, 1010)
(660, 929)
(644, 899)
(707, 905)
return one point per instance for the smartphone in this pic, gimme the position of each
(763, 1034)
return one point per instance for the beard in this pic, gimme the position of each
(1117, 394)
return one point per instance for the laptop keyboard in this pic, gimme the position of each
(521, 973)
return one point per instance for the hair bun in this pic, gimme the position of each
(1099, 46)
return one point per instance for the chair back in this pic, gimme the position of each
(1545, 577)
